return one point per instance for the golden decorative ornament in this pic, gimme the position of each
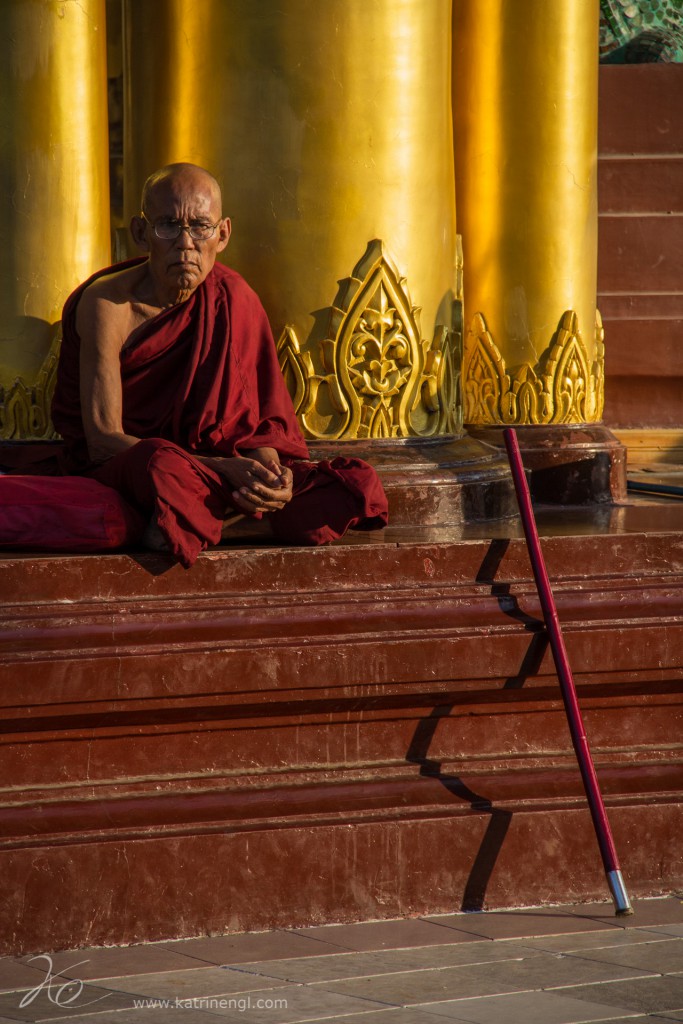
(25, 408)
(562, 387)
(374, 375)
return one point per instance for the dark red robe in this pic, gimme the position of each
(203, 377)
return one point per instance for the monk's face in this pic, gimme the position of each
(178, 266)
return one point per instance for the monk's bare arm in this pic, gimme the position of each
(101, 327)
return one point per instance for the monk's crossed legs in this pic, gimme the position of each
(189, 500)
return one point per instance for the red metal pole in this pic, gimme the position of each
(576, 727)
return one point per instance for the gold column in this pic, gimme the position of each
(55, 187)
(329, 126)
(525, 117)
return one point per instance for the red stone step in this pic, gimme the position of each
(640, 253)
(649, 403)
(640, 109)
(628, 355)
(373, 725)
(645, 306)
(640, 184)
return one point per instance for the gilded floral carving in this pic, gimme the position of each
(25, 408)
(563, 387)
(374, 375)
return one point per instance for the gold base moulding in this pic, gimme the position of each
(652, 446)
(563, 387)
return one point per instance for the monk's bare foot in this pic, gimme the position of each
(153, 539)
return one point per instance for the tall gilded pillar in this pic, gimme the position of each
(329, 126)
(54, 189)
(525, 93)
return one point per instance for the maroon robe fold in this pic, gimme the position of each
(203, 377)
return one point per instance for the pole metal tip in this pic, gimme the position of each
(622, 904)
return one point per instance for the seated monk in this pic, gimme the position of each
(169, 390)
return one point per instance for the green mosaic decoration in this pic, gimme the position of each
(624, 20)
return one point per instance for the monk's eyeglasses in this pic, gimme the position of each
(169, 230)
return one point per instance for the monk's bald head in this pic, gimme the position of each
(181, 228)
(178, 180)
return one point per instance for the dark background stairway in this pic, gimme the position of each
(640, 256)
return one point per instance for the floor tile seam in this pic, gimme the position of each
(632, 945)
(551, 935)
(607, 924)
(535, 954)
(389, 949)
(305, 956)
(360, 952)
(284, 988)
(374, 1006)
(15, 962)
(332, 1016)
(284, 984)
(580, 955)
(88, 989)
(518, 938)
(642, 976)
(281, 986)
(511, 912)
(542, 988)
(240, 969)
(454, 1020)
(423, 970)
(461, 999)
(654, 929)
(84, 1020)
(504, 995)
(96, 982)
(342, 951)
(195, 970)
(393, 1008)
(337, 946)
(209, 963)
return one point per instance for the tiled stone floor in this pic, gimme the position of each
(550, 965)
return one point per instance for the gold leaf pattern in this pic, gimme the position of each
(374, 376)
(563, 387)
(25, 408)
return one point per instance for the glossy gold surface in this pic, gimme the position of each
(54, 183)
(525, 127)
(329, 126)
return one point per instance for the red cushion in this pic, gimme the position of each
(67, 513)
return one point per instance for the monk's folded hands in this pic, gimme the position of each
(257, 487)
